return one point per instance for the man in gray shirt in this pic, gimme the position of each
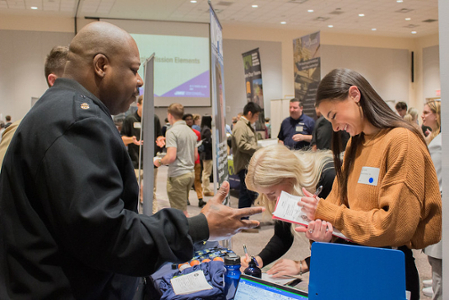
(181, 155)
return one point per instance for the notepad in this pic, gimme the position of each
(288, 210)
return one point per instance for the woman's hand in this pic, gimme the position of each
(244, 262)
(285, 267)
(308, 204)
(318, 231)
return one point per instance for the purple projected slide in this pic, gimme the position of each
(196, 87)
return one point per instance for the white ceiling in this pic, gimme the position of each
(387, 16)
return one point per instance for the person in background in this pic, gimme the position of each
(395, 202)
(206, 154)
(181, 156)
(269, 176)
(401, 108)
(53, 68)
(431, 117)
(322, 134)
(69, 194)
(296, 130)
(130, 132)
(8, 121)
(244, 144)
(196, 122)
(188, 118)
(412, 117)
(268, 127)
(165, 127)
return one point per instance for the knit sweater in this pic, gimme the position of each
(404, 208)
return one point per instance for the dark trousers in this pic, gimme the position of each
(246, 197)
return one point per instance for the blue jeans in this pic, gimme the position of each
(246, 197)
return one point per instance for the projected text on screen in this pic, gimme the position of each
(181, 68)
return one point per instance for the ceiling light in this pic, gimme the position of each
(255, 6)
(399, 1)
(413, 32)
(373, 29)
(310, 10)
(193, 1)
(361, 15)
(408, 19)
(33, 7)
(330, 26)
(283, 22)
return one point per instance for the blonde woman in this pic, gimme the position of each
(431, 117)
(274, 169)
(412, 116)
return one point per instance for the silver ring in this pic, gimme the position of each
(310, 231)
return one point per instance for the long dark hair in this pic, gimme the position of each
(335, 87)
(206, 121)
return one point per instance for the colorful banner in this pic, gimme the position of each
(254, 87)
(253, 77)
(307, 70)
(219, 144)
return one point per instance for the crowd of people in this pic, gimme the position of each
(69, 223)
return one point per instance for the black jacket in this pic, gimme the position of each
(206, 136)
(69, 226)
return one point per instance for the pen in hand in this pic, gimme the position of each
(318, 191)
(246, 252)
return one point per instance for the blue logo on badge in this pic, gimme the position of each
(371, 180)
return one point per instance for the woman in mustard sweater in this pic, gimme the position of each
(386, 191)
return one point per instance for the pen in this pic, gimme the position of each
(246, 250)
(318, 191)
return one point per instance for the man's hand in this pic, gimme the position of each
(225, 221)
(298, 137)
(136, 142)
(160, 141)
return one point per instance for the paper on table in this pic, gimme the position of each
(280, 281)
(190, 283)
(288, 210)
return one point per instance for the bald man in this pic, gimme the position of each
(68, 193)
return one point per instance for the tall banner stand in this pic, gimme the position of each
(254, 87)
(307, 68)
(219, 139)
(147, 133)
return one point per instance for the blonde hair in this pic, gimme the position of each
(435, 107)
(276, 164)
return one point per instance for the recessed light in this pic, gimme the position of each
(283, 22)
(255, 6)
(310, 10)
(193, 1)
(408, 19)
(361, 15)
(33, 7)
(330, 26)
(413, 32)
(399, 1)
(373, 29)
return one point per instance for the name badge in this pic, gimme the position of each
(369, 176)
(137, 125)
(299, 128)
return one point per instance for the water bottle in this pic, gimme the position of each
(253, 268)
(231, 275)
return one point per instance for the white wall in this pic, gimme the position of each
(431, 71)
(443, 8)
(387, 70)
(22, 57)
